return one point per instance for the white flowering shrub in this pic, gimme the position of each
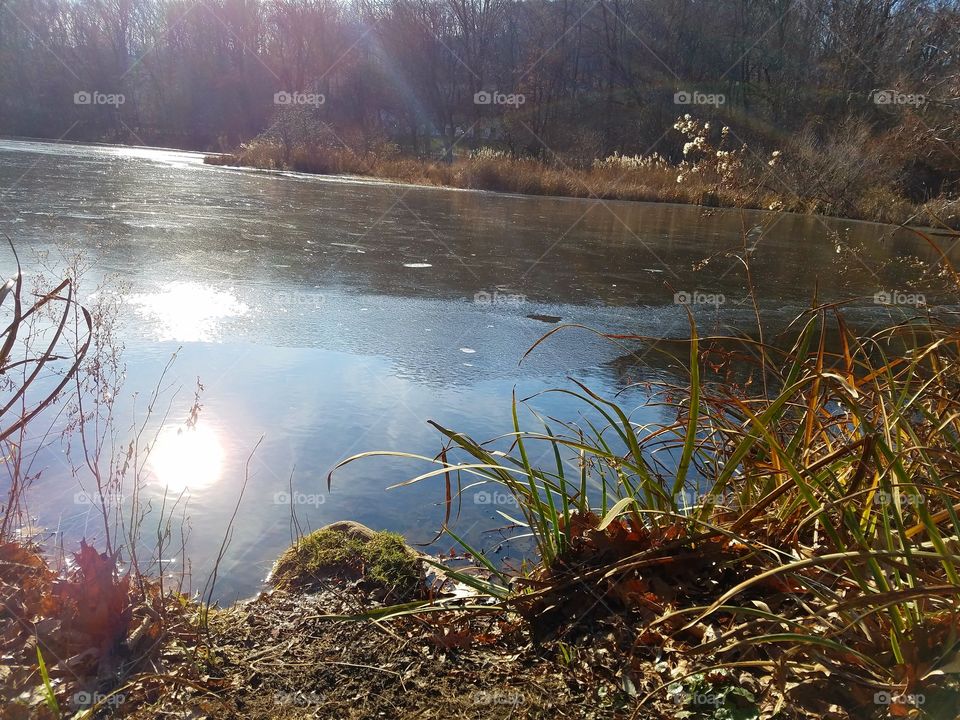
(723, 165)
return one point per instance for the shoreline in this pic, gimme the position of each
(703, 198)
(213, 159)
(249, 658)
(370, 181)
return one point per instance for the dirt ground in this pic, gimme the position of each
(313, 651)
(275, 657)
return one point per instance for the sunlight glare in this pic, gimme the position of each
(188, 311)
(186, 458)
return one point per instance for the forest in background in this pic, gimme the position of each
(873, 84)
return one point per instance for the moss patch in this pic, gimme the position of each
(382, 558)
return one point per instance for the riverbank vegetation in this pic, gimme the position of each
(796, 523)
(715, 169)
(861, 97)
(783, 545)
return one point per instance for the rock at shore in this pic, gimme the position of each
(349, 552)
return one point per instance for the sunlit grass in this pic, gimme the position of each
(814, 523)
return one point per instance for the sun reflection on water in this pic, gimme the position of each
(188, 311)
(186, 457)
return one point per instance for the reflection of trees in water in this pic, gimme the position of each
(564, 251)
(667, 362)
(735, 360)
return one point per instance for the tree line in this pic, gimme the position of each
(575, 79)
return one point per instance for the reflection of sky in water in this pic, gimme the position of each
(324, 318)
(187, 311)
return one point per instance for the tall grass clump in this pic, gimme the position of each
(797, 515)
